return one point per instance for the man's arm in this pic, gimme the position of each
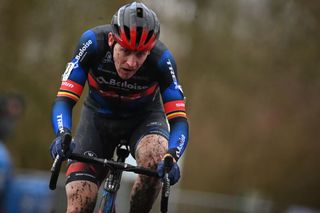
(174, 105)
(72, 83)
(179, 128)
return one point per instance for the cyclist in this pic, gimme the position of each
(134, 93)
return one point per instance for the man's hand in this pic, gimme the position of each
(174, 173)
(63, 150)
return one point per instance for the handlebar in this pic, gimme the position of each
(113, 165)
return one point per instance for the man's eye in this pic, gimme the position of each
(125, 50)
(140, 54)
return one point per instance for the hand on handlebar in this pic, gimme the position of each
(57, 146)
(173, 173)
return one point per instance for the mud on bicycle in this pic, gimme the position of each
(113, 179)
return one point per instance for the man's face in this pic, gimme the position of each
(127, 62)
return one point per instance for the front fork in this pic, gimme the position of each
(112, 184)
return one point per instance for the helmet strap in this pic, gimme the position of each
(112, 48)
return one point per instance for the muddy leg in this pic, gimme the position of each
(149, 152)
(81, 196)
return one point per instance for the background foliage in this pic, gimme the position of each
(249, 69)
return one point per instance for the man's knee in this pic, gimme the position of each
(150, 150)
(81, 196)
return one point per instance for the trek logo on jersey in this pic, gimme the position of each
(172, 72)
(174, 78)
(182, 140)
(83, 49)
(60, 123)
(121, 84)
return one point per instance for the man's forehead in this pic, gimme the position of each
(132, 51)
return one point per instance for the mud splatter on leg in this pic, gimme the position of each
(81, 196)
(146, 189)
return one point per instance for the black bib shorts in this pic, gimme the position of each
(98, 135)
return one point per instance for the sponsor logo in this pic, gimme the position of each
(121, 84)
(73, 65)
(155, 123)
(180, 105)
(90, 154)
(67, 72)
(172, 72)
(102, 69)
(84, 174)
(67, 84)
(83, 49)
(107, 58)
(174, 78)
(182, 140)
(60, 123)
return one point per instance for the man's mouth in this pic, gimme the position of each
(126, 73)
(128, 70)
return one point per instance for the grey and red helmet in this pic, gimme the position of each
(136, 27)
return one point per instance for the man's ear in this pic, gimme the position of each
(110, 39)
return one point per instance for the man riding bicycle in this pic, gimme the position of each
(134, 93)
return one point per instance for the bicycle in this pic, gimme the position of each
(113, 179)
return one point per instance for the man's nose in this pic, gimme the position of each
(132, 61)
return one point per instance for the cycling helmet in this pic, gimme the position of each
(135, 27)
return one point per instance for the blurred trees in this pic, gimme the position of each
(249, 69)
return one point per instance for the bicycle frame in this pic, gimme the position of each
(112, 183)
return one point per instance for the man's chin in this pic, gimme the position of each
(125, 75)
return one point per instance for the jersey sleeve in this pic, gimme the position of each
(72, 82)
(174, 105)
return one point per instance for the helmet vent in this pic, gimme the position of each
(116, 29)
(149, 36)
(127, 32)
(139, 34)
(139, 12)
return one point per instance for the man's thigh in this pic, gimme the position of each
(150, 150)
(152, 132)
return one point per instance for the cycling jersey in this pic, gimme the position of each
(114, 97)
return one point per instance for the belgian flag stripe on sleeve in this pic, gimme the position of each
(70, 89)
(68, 94)
(175, 109)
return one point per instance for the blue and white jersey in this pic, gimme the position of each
(155, 82)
